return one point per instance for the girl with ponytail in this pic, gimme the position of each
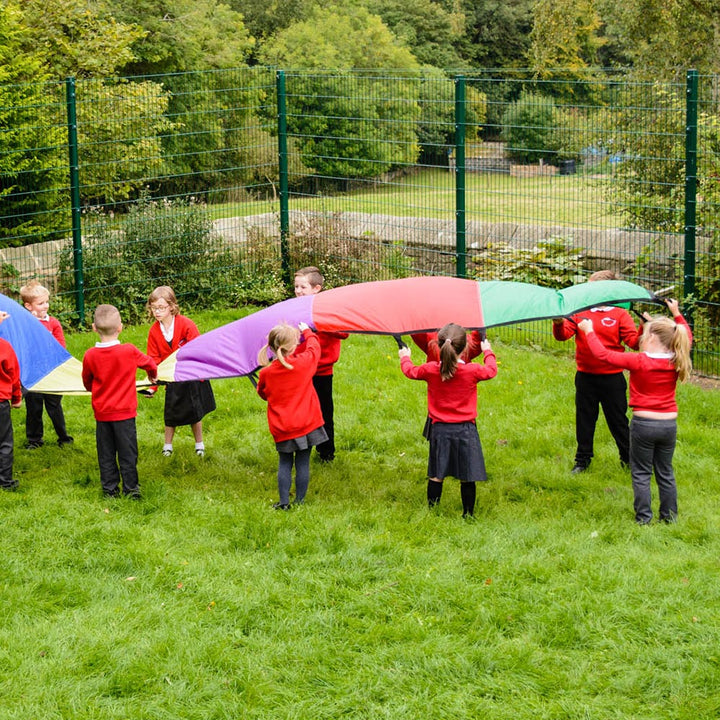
(293, 411)
(455, 448)
(663, 360)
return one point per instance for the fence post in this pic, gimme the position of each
(283, 168)
(75, 199)
(691, 137)
(460, 250)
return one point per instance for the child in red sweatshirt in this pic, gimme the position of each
(293, 411)
(10, 397)
(310, 281)
(663, 360)
(108, 372)
(455, 448)
(597, 382)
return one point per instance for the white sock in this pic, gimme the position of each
(167, 446)
(200, 446)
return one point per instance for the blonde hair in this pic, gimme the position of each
(166, 293)
(313, 275)
(107, 319)
(33, 290)
(282, 340)
(603, 275)
(676, 339)
(452, 340)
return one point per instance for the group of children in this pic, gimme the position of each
(296, 381)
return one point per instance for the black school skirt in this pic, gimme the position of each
(455, 451)
(188, 402)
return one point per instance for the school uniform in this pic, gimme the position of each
(597, 382)
(10, 394)
(455, 448)
(36, 402)
(186, 402)
(108, 372)
(653, 381)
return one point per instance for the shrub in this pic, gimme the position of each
(530, 129)
(159, 243)
(554, 262)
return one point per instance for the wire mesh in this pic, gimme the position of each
(180, 183)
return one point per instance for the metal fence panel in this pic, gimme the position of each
(221, 183)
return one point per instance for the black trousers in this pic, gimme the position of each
(323, 387)
(6, 446)
(117, 456)
(591, 393)
(34, 403)
(652, 445)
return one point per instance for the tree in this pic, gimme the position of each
(347, 123)
(80, 38)
(426, 27)
(184, 35)
(529, 129)
(33, 151)
(657, 37)
(495, 32)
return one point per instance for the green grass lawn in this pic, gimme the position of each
(571, 200)
(201, 602)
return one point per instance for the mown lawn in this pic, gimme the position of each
(201, 602)
(570, 200)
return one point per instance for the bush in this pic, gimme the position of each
(554, 263)
(160, 243)
(530, 129)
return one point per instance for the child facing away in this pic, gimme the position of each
(455, 448)
(310, 281)
(599, 383)
(108, 373)
(293, 409)
(428, 343)
(186, 403)
(10, 397)
(36, 299)
(664, 358)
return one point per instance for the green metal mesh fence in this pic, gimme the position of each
(221, 183)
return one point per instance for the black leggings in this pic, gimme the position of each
(301, 460)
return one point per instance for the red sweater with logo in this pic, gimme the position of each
(109, 372)
(53, 326)
(293, 408)
(184, 330)
(10, 388)
(614, 327)
(653, 379)
(453, 400)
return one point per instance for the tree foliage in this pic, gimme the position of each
(341, 120)
(33, 153)
(80, 38)
(529, 128)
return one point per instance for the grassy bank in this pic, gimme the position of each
(201, 602)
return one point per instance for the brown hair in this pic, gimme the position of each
(282, 340)
(313, 275)
(604, 275)
(166, 293)
(676, 339)
(107, 319)
(452, 340)
(33, 290)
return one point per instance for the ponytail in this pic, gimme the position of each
(680, 345)
(675, 338)
(282, 340)
(452, 340)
